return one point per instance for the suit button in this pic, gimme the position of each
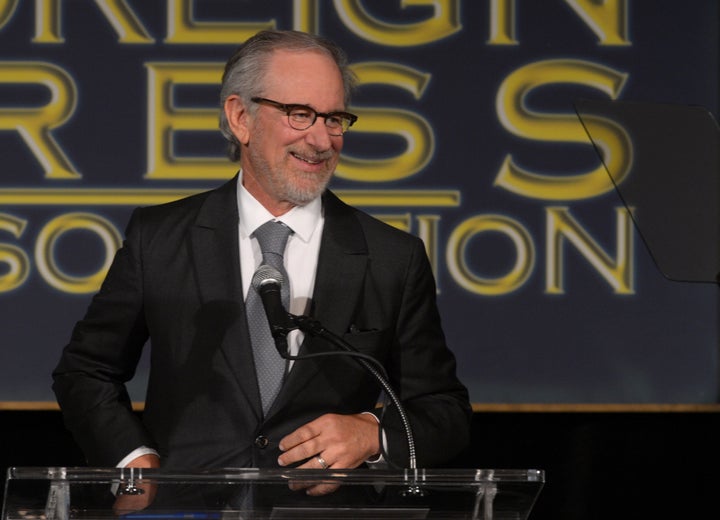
(261, 442)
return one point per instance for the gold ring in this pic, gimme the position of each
(321, 461)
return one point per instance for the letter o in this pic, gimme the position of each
(51, 234)
(463, 274)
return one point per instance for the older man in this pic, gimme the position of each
(183, 280)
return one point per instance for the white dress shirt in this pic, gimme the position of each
(301, 252)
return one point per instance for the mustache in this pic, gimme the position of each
(312, 155)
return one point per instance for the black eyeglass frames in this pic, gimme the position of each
(302, 117)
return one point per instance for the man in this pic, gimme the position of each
(184, 271)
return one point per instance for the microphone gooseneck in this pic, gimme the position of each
(267, 281)
(314, 328)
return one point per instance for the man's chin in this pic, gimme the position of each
(306, 192)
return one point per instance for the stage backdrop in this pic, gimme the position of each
(467, 137)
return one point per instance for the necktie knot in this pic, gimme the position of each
(272, 237)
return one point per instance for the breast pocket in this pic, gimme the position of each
(375, 343)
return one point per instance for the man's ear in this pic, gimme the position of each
(237, 116)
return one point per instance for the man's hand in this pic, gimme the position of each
(331, 441)
(129, 503)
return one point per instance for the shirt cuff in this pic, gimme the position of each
(134, 454)
(137, 452)
(379, 460)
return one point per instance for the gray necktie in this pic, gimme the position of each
(272, 237)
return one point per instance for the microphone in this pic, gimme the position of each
(267, 281)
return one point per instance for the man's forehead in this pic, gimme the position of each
(310, 73)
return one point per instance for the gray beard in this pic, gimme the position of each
(299, 196)
(285, 189)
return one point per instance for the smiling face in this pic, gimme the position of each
(284, 167)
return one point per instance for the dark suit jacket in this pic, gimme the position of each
(176, 281)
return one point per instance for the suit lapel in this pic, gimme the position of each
(340, 274)
(214, 239)
(341, 267)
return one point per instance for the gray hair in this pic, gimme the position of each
(245, 71)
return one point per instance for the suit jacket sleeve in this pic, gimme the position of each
(424, 370)
(102, 355)
(375, 286)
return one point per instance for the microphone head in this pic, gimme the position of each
(266, 274)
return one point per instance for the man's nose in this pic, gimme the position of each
(319, 136)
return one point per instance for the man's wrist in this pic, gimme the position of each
(377, 457)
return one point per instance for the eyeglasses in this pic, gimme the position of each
(302, 117)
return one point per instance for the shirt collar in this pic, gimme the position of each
(303, 220)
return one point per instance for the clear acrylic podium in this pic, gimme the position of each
(243, 494)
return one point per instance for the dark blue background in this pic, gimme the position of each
(659, 345)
